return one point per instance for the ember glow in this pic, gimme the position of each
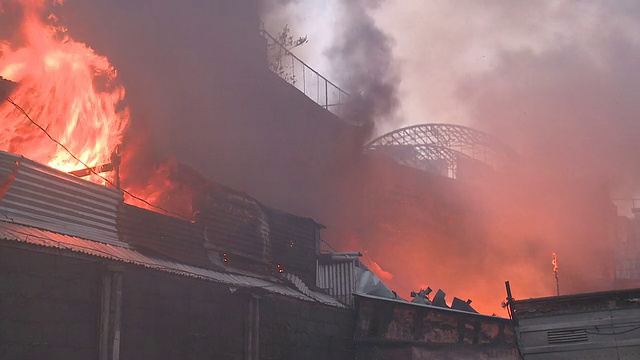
(66, 88)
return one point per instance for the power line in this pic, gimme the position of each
(87, 166)
(329, 245)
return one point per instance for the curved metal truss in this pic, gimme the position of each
(440, 148)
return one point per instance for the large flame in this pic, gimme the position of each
(66, 88)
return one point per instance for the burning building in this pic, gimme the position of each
(86, 276)
(433, 204)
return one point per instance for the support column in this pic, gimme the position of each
(252, 329)
(111, 313)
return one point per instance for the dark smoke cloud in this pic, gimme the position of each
(362, 57)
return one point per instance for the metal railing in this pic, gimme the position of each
(294, 71)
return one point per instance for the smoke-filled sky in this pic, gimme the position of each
(556, 79)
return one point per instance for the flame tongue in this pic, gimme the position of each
(67, 89)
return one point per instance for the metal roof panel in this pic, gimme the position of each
(34, 236)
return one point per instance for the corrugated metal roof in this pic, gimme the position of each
(30, 235)
(39, 196)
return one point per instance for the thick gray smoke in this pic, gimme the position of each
(346, 45)
(362, 57)
(555, 79)
(571, 111)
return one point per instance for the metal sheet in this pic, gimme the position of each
(38, 196)
(600, 325)
(30, 235)
(338, 279)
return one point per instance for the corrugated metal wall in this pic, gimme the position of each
(338, 279)
(174, 238)
(238, 224)
(293, 241)
(36, 195)
(235, 223)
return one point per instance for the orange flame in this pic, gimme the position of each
(67, 89)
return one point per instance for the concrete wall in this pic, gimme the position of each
(387, 329)
(301, 330)
(49, 307)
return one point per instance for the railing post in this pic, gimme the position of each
(326, 95)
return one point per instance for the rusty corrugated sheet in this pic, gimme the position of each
(34, 236)
(38, 196)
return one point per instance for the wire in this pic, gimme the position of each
(329, 245)
(613, 333)
(89, 167)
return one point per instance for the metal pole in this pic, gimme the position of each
(115, 161)
(554, 262)
(509, 299)
(326, 95)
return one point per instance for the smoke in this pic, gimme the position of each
(347, 46)
(556, 81)
(362, 57)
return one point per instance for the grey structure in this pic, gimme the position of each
(441, 148)
(602, 325)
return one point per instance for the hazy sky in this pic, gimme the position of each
(439, 44)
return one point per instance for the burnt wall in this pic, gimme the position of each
(390, 330)
(170, 317)
(49, 306)
(301, 330)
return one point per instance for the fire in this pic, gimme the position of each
(66, 88)
(159, 191)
